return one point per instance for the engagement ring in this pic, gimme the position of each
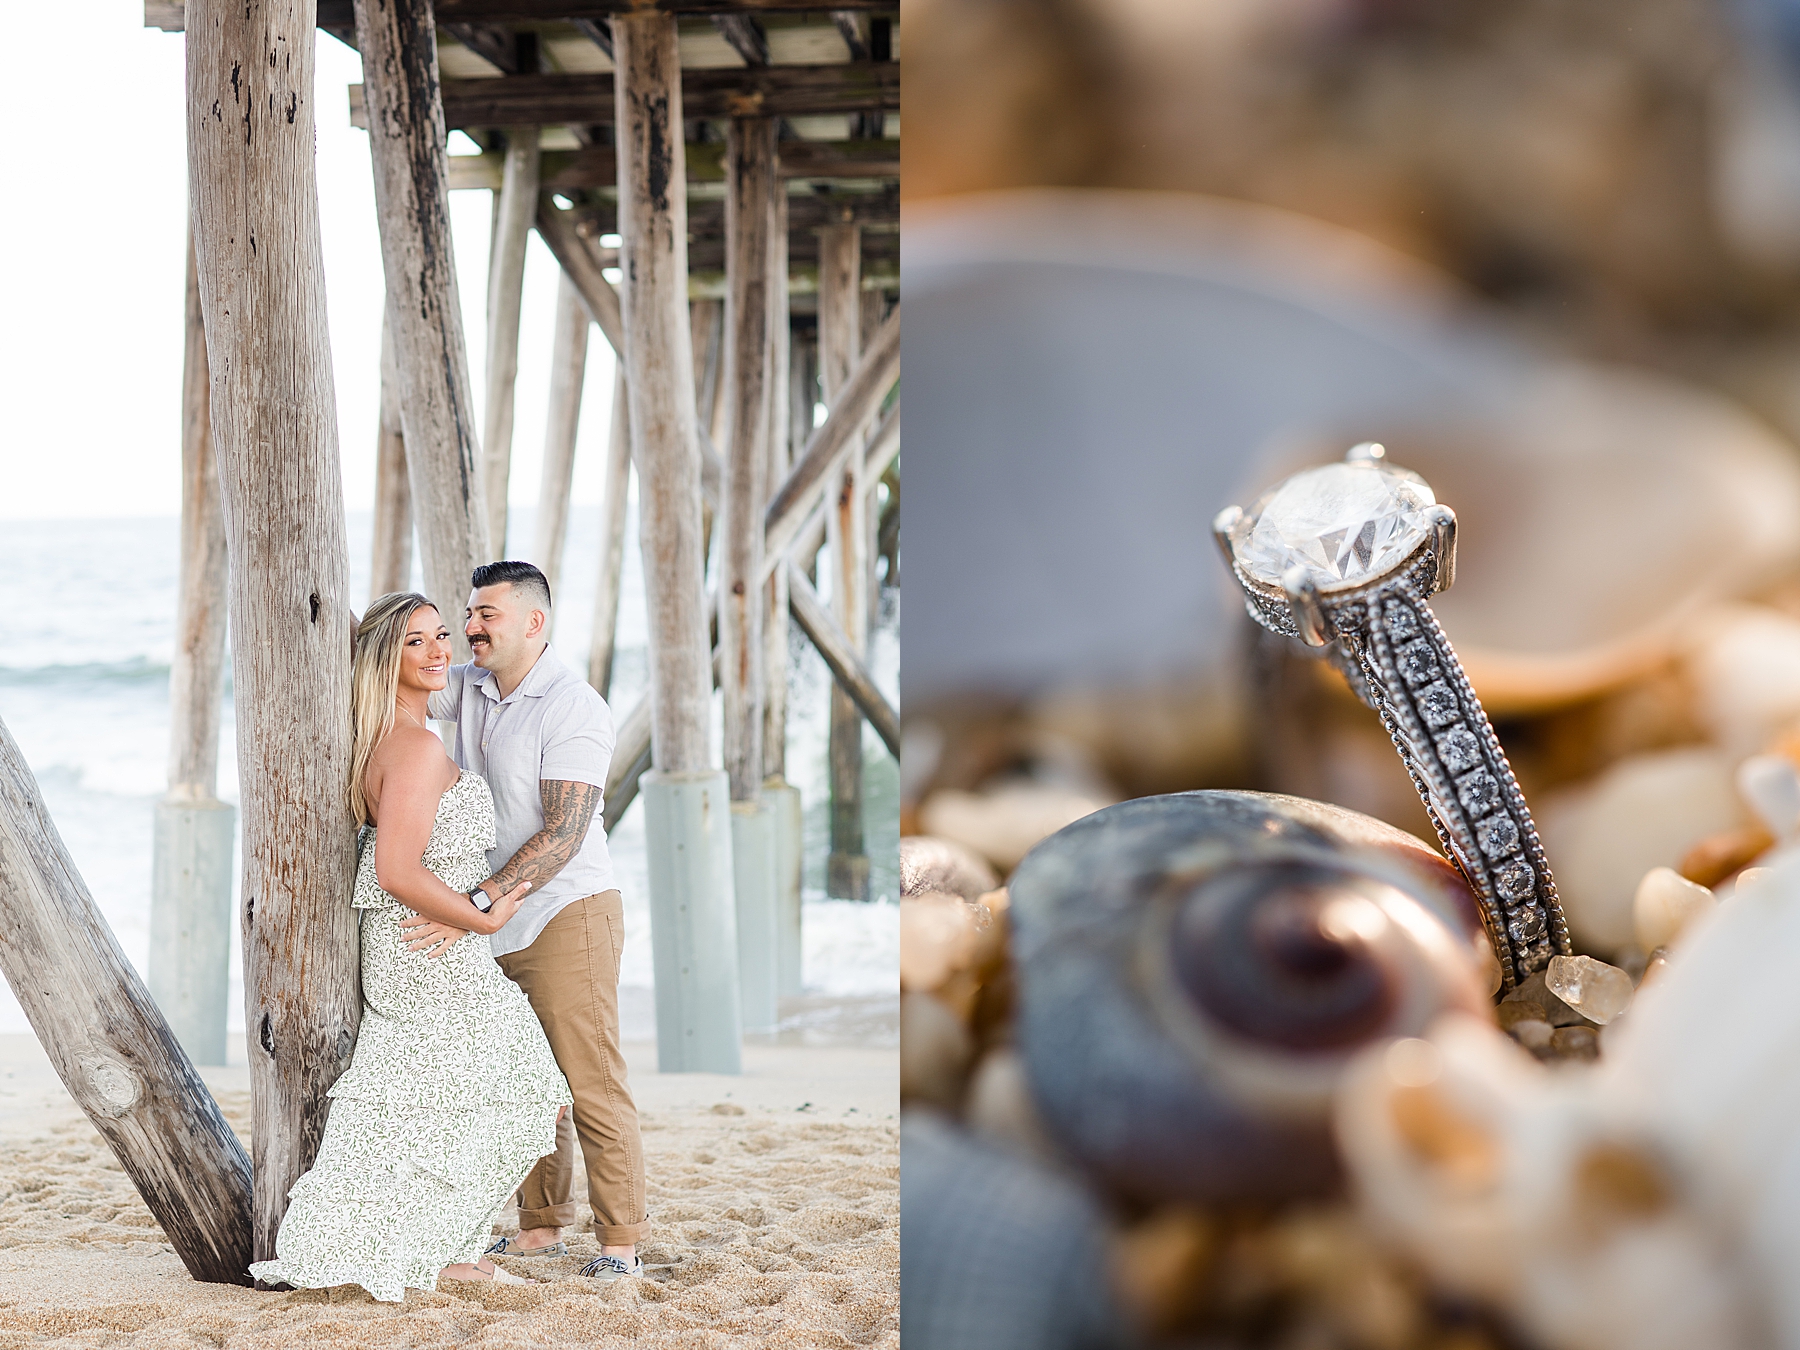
(1346, 555)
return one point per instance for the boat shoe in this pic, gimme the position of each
(507, 1247)
(613, 1268)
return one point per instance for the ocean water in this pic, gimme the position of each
(84, 690)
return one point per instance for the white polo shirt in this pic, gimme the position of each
(553, 725)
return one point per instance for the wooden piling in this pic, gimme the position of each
(516, 206)
(391, 565)
(750, 184)
(195, 833)
(693, 927)
(109, 1044)
(256, 231)
(604, 642)
(568, 371)
(405, 113)
(847, 537)
(780, 798)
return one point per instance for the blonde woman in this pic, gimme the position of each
(453, 1094)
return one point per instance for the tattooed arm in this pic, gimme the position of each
(568, 810)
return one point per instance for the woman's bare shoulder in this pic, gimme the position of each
(410, 756)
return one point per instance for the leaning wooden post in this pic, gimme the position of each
(190, 873)
(749, 223)
(517, 207)
(568, 371)
(405, 111)
(693, 928)
(256, 234)
(612, 540)
(781, 798)
(847, 535)
(391, 566)
(109, 1044)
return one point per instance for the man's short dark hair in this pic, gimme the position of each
(521, 576)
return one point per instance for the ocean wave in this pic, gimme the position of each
(136, 670)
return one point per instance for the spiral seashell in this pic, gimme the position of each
(1195, 971)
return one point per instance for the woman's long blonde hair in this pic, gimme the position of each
(375, 683)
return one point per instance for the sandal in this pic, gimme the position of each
(494, 1276)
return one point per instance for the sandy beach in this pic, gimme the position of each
(774, 1200)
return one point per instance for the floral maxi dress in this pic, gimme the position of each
(449, 1101)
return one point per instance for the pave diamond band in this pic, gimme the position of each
(1390, 646)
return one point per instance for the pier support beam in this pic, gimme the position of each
(847, 540)
(604, 642)
(693, 925)
(252, 184)
(398, 42)
(780, 798)
(109, 1044)
(568, 372)
(190, 878)
(750, 184)
(515, 209)
(391, 565)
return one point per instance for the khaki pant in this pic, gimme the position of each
(571, 975)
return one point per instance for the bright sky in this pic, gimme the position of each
(94, 234)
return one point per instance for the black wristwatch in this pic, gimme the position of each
(479, 898)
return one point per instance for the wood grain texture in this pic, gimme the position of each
(780, 457)
(836, 438)
(391, 563)
(196, 673)
(750, 189)
(568, 372)
(337, 15)
(256, 230)
(412, 209)
(767, 91)
(603, 644)
(110, 1045)
(516, 207)
(846, 543)
(653, 212)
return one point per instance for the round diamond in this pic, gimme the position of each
(1344, 523)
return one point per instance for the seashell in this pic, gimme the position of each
(928, 864)
(1002, 823)
(1667, 902)
(1014, 1259)
(1747, 676)
(1551, 1196)
(1771, 786)
(1646, 811)
(1194, 971)
(1653, 1202)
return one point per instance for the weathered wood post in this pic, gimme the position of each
(256, 235)
(568, 372)
(190, 876)
(847, 535)
(391, 565)
(109, 1044)
(693, 927)
(515, 208)
(412, 206)
(781, 798)
(749, 223)
(612, 539)
(706, 321)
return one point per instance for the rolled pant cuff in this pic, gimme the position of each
(551, 1216)
(620, 1234)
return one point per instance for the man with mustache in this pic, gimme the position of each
(543, 738)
